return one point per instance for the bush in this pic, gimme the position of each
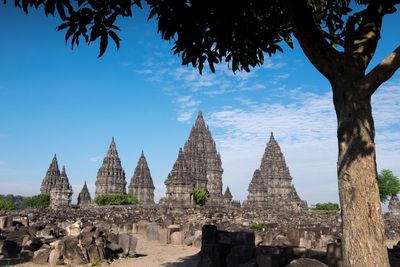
(257, 226)
(6, 205)
(326, 207)
(15, 199)
(115, 199)
(38, 201)
(200, 196)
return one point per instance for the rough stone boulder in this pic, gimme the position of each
(74, 229)
(73, 254)
(128, 244)
(41, 256)
(304, 262)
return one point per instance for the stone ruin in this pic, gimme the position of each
(394, 206)
(52, 175)
(141, 184)
(84, 198)
(198, 166)
(111, 176)
(271, 186)
(56, 184)
(61, 192)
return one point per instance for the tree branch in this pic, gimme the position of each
(321, 54)
(382, 72)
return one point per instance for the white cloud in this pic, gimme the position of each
(306, 132)
(95, 159)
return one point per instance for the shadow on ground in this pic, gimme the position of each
(189, 261)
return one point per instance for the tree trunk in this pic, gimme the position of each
(363, 226)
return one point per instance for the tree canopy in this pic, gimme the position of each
(388, 183)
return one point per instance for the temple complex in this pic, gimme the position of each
(271, 185)
(200, 167)
(61, 192)
(111, 176)
(180, 184)
(141, 184)
(52, 175)
(84, 198)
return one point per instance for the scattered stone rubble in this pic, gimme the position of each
(75, 236)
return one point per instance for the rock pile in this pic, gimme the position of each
(63, 243)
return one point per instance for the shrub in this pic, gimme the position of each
(200, 196)
(115, 199)
(257, 226)
(6, 205)
(15, 199)
(326, 207)
(38, 201)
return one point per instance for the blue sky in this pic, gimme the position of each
(57, 100)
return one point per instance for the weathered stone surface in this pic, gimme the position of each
(304, 262)
(163, 236)
(56, 255)
(152, 231)
(239, 254)
(74, 229)
(73, 254)
(197, 239)
(198, 166)
(141, 184)
(84, 198)
(61, 192)
(52, 175)
(111, 176)
(41, 256)
(6, 221)
(95, 254)
(334, 254)
(271, 186)
(177, 238)
(394, 206)
(128, 244)
(9, 248)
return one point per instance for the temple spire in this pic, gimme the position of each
(52, 175)
(111, 176)
(84, 197)
(141, 184)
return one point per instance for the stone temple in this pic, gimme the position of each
(84, 198)
(52, 175)
(198, 166)
(111, 176)
(61, 192)
(271, 185)
(141, 184)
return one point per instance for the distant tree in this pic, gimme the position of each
(6, 205)
(388, 185)
(37, 201)
(326, 207)
(15, 199)
(339, 37)
(115, 199)
(200, 196)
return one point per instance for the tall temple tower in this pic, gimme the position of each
(84, 198)
(200, 167)
(61, 192)
(271, 185)
(141, 184)
(52, 175)
(203, 159)
(180, 184)
(111, 176)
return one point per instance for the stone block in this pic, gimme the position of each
(210, 255)
(189, 240)
(177, 238)
(334, 254)
(6, 221)
(163, 236)
(239, 254)
(142, 227)
(95, 254)
(10, 249)
(41, 256)
(128, 244)
(209, 234)
(135, 227)
(264, 260)
(197, 239)
(305, 262)
(74, 229)
(73, 254)
(152, 231)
